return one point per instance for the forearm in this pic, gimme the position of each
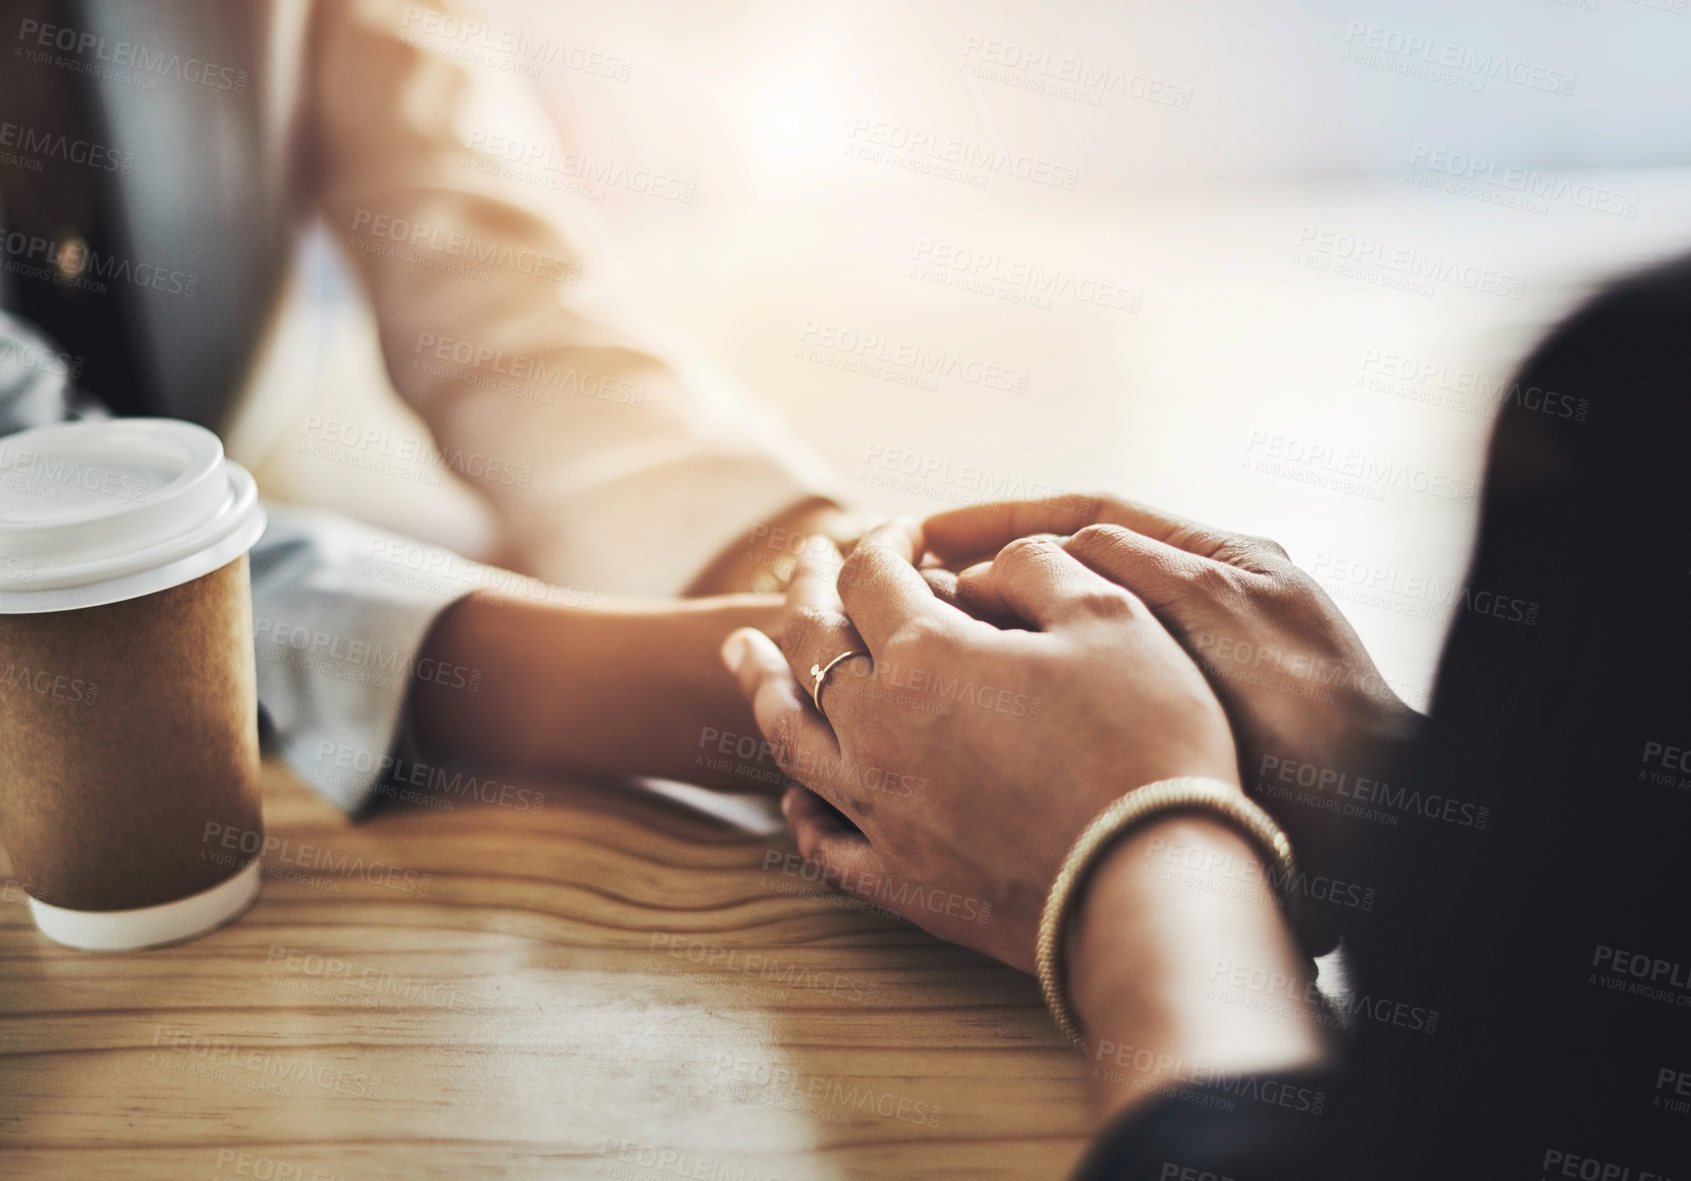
(1151, 950)
(629, 688)
(580, 420)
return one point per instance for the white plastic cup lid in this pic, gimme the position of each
(98, 512)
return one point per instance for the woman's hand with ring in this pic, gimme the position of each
(967, 757)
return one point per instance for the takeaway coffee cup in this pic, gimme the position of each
(128, 700)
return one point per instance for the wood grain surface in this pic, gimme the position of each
(620, 984)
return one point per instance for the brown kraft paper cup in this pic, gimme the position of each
(128, 695)
(130, 730)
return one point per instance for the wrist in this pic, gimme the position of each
(1174, 902)
(1165, 797)
(628, 687)
(681, 679)
(1141, 880)
(668, 655)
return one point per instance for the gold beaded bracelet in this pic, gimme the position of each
(1186, 794)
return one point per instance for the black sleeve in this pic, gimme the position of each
(1245, 1128)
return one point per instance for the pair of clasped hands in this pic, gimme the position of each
(1028, 663)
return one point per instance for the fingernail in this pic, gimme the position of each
(735, 649)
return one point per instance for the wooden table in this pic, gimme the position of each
(618, 985)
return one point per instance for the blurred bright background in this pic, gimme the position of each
(1265, 265)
